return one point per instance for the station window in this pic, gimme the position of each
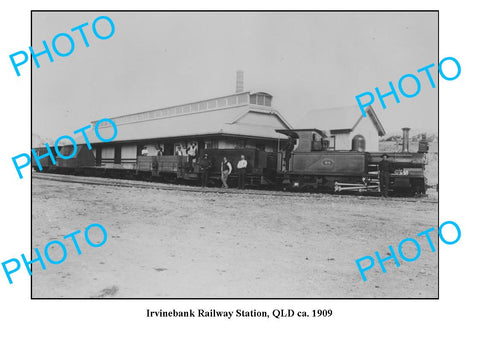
(98, 155)
(260, 146)
(253, 99)
(203, 106)
(243, 99)
(232, 100)
(211, 144)
(261, 100)
(212, 104)
(117, 158)
(221, 102)
(268, 101)
(239, 143)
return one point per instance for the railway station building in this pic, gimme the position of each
(240, 120)
(346, 128)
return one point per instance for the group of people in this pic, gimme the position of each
(225, 169)
(145, 152)
(190, 151)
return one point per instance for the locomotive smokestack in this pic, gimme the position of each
(239, 82)
(406, 142)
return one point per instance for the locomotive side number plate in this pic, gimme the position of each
(328, 163)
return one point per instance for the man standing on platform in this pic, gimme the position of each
(288, 152)
(226, 169)
(205, 165)
(384, 168)
(242, 169)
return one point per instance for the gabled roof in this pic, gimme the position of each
(339, 119)
(215, 117)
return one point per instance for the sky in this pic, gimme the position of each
(306, 60)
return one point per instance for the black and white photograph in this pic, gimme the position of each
(235, 154)
(222, 170)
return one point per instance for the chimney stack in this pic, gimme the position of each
(239, 87)
(406, 141)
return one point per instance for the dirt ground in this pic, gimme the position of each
(175, 244)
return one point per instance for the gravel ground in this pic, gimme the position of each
(175, 244)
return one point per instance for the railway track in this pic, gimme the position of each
(178, 187)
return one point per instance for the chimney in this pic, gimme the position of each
(239, 82)
(405, 145)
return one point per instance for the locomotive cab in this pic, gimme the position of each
(315, 163)
(307, 140)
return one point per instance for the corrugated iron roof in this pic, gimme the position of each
(220, 121)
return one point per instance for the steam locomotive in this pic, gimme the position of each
(313, 165)
(307, 163)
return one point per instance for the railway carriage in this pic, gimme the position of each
(261, 169)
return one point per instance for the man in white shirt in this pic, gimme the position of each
(192, 150)
(242, 169)
(144, 151)
(179, 151)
